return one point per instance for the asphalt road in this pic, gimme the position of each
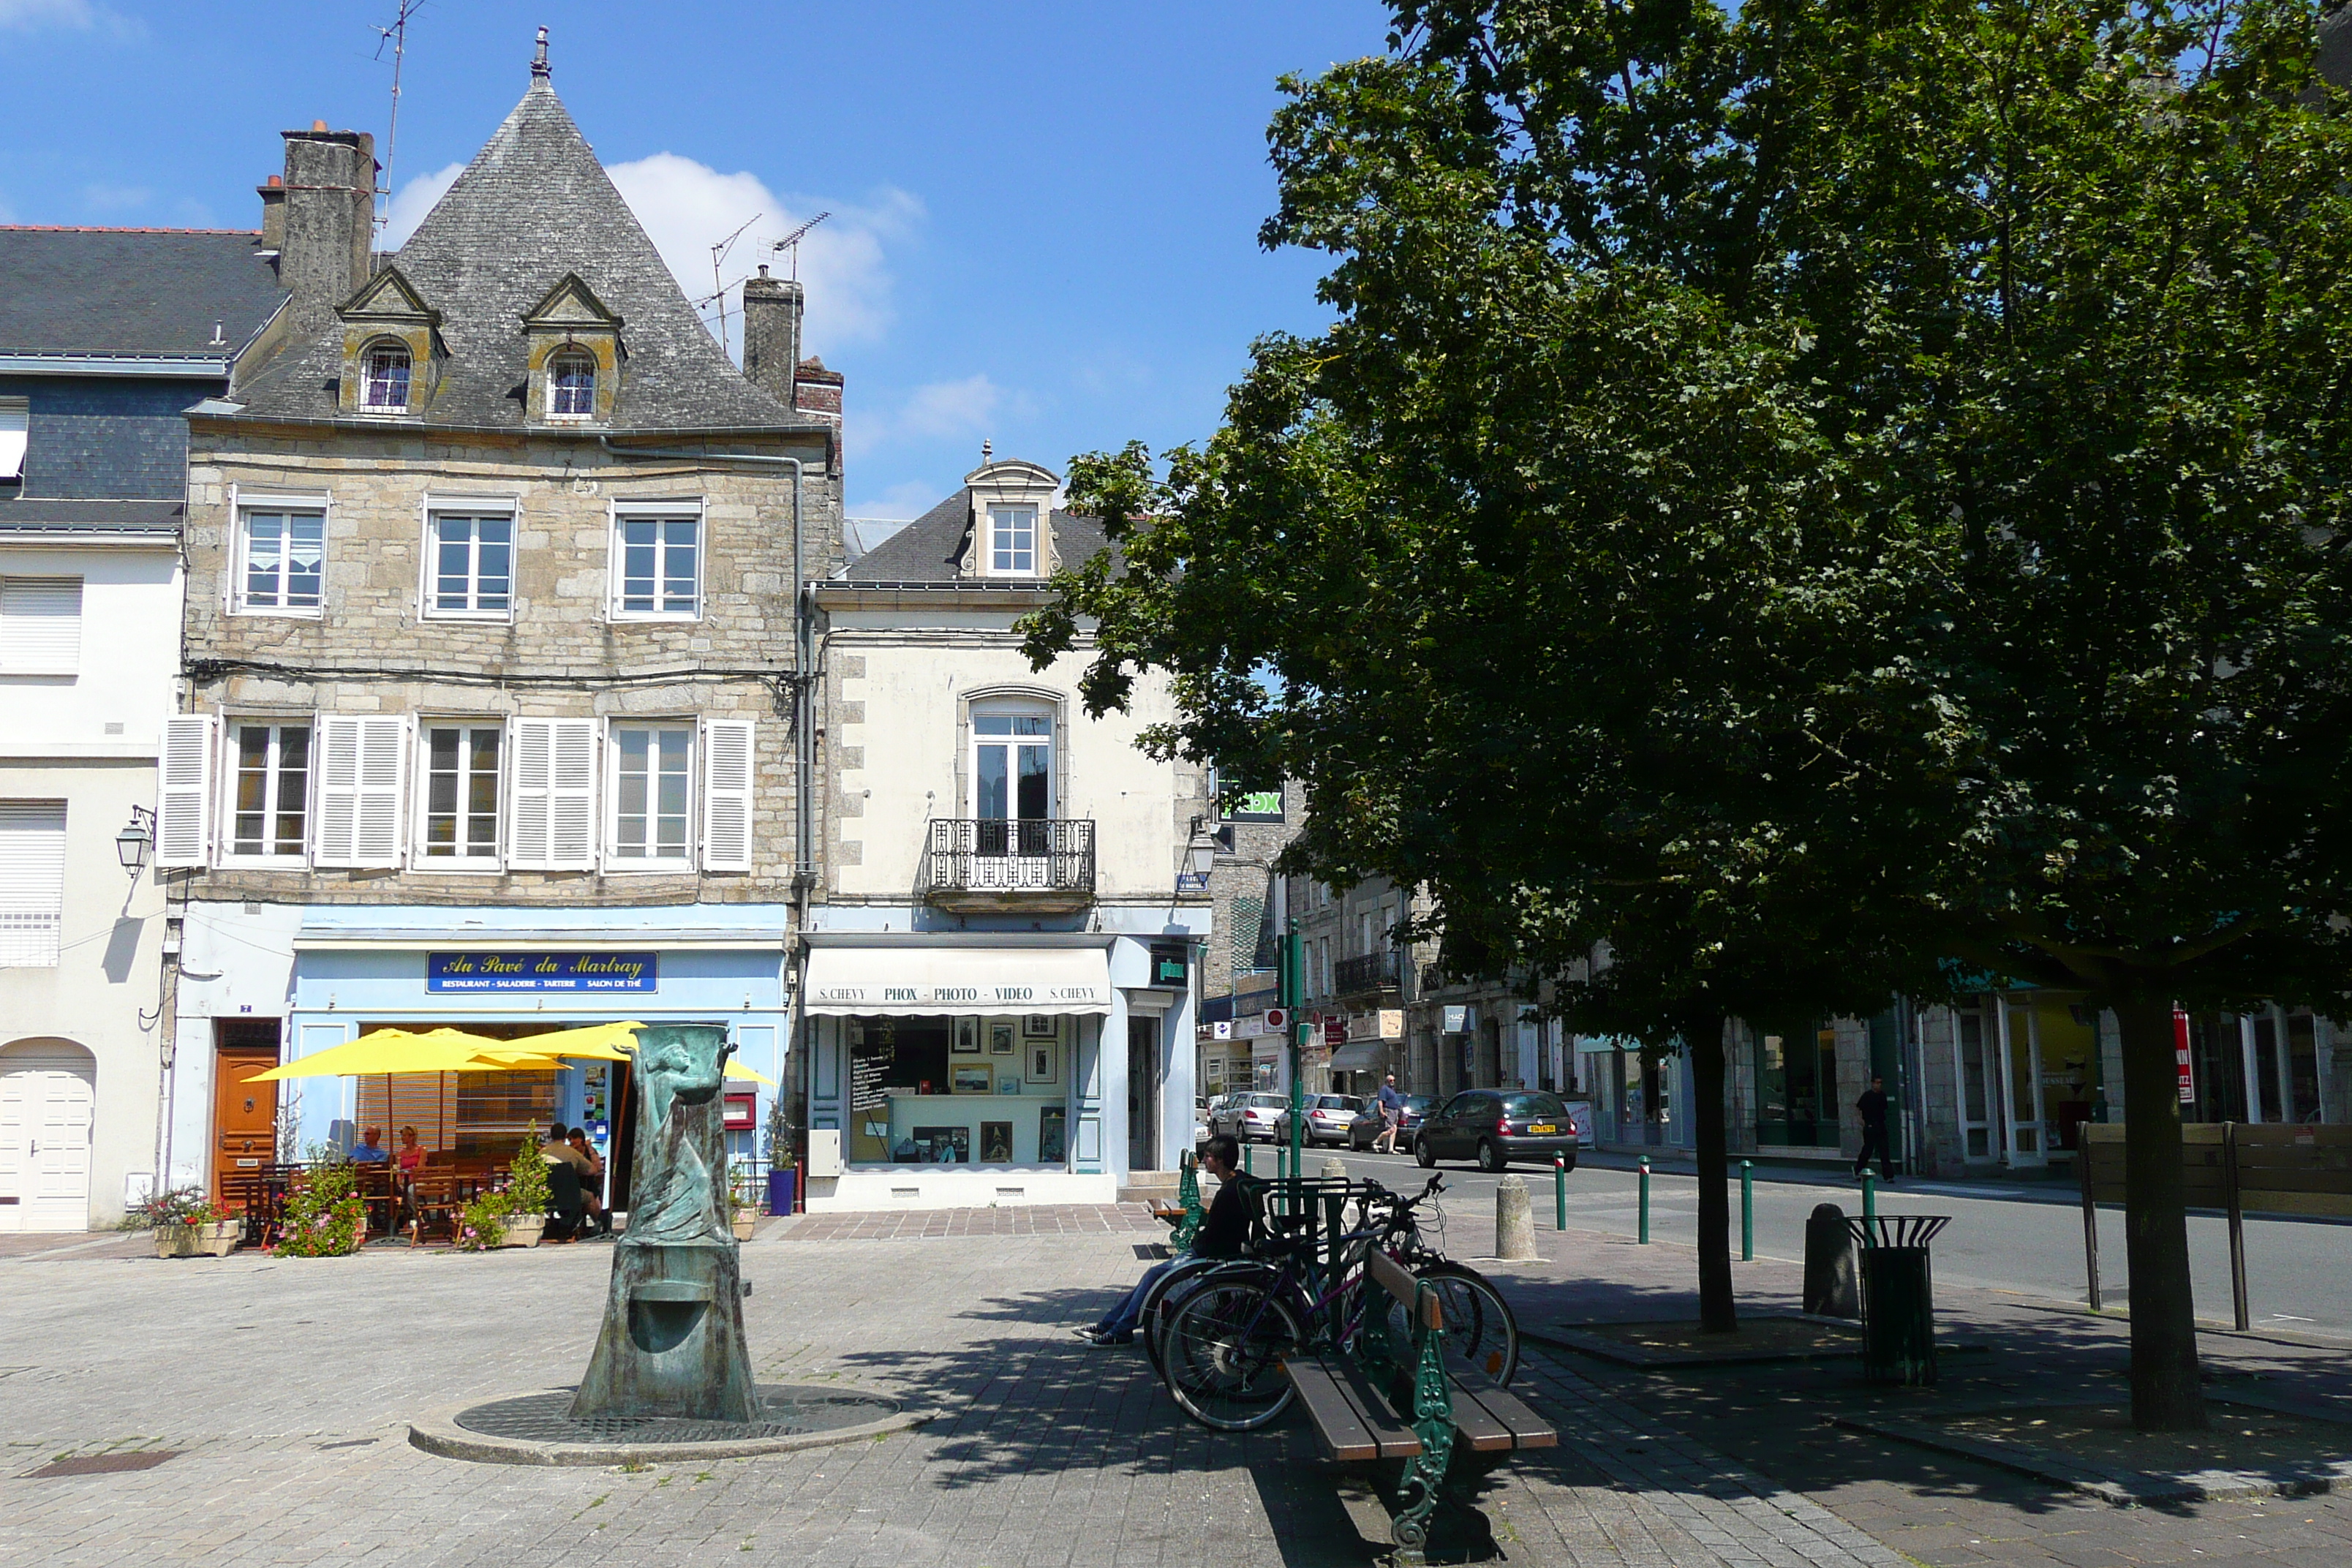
(2299, 1272)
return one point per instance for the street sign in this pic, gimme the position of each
(1276, 1019)
(1335, 1031)
(2180, 1057)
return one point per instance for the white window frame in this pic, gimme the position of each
(596, 372)
(635, 510)
(34, 639)
(368, 351)
(242, 505)
(1016, 707)
(428, 581)
(16, 437)
(614, 861)
(1037, 547)
(225, 770)
(420, 855)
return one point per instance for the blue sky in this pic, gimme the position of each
(1045, 215)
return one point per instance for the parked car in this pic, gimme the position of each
(1494, 1127)
(1367, 1125)
(1328, 1117)
(1251, 1117)
(1199, 1123)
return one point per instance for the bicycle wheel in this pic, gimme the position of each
(1482, 1335)
(1161, 1302)
(1222, 1352)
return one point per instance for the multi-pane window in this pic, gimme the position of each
(271, 805)
(659, 569)
(571, 386)
(1012, 539)
(283, 555)
(473, 563)
(383, 379)
(461, 792)
(653, 790)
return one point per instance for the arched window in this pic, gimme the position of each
(571, 386)
(1012, 776)
(383, 382)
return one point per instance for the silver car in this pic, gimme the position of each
(1251, 1117)
(1328, 1117)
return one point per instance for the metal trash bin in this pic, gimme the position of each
(1898, 1298)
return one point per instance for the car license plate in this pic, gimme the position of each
(1539, 1128)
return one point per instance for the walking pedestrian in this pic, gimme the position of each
(1391, 1116)
(1873, 1107)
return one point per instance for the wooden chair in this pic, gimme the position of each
(433, 1193)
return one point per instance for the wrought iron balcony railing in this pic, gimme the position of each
(1368, 972)
(990, 856)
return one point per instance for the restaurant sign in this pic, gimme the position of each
(540, 971)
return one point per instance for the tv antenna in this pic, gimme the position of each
(397, 36)
(718, 285)
(792, 242)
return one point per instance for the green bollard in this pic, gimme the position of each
(1247, 1162)
(1559, 1192)
(1869, 1196)
(1644, 1235)
(1746, 1211)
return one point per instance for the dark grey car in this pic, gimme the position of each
(1366, 1127)
(1494, 1127)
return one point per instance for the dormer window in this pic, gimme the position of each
(1013, 541)
(383, 379)
(571, 387)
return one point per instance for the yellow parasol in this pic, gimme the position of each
(613, 1043)
(382, 1051)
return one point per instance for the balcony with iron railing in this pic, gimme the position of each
(981, 864)
(1369, 974)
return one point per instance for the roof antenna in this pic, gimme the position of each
(719, 286)
(397, 36)
(792, 242)
(538, 71)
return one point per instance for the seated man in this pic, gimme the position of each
(1221, 1236)
(371, 1150)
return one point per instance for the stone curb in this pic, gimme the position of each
(438, 1433)
(2125, 1489)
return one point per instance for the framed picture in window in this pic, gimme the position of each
(973, 1079)
(1044, 1062)
(1053, 1128)
(996, 1143)
(967, 1038)
(942, 1145)
(1041, 1027)
(1000, 1039)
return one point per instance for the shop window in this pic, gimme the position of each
(652, 775)
(473, 565)
(269, 813)
(1797, 1089)
(461, 794)
(957, 1091)
(281, 569)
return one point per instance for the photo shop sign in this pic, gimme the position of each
(540, 971)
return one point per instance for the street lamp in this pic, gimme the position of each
(136, 839)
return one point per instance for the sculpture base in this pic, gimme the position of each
(672, 1344)
(537, 1428)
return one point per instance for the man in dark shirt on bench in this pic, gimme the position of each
(1220, 1234)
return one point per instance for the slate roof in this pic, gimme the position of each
(159, 518)
(133, 291)
(929, 548)
(532, 205)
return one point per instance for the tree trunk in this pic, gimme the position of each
(1717, 1313)
(2165, 1394)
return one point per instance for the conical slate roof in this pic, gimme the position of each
(533, 205)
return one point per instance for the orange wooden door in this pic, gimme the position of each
(244, 1115)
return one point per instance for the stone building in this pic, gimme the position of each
(489, 705)
(1247, 833)
(93, 451)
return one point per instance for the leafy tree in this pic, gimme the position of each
(1789, 495)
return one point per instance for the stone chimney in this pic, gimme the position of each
(273, 214)
(772, 333)
(816, 391)
(325, 225)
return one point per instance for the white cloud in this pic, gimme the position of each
(412, 200)
(686, 208)
(945, 409)
(80, 16)
(115, 198)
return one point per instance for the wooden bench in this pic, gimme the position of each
(1379, 1401)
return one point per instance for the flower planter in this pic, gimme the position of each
(746, 1221)
(523, 1230)
(215, 1239)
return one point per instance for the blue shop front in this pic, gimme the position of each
(511, 974)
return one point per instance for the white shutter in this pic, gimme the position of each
(15, 420)
(40, 625)
(183, 791)
(32, 882)
(360, 763)
(727, 760)
(552, 825)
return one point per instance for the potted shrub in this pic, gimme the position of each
(325, 1216)
(526, 1198)
(482, 1223)
(744, 1217)
(188, 1223)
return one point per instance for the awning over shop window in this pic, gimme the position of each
(903, 982)
(1361, 1056)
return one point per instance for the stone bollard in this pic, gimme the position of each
(1334, 1168)
(1832, 1281)
(1514, 1221)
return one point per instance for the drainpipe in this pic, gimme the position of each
(803, 748)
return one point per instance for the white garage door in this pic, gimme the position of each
(46, 1110)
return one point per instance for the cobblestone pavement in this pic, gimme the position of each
(282, 1385)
